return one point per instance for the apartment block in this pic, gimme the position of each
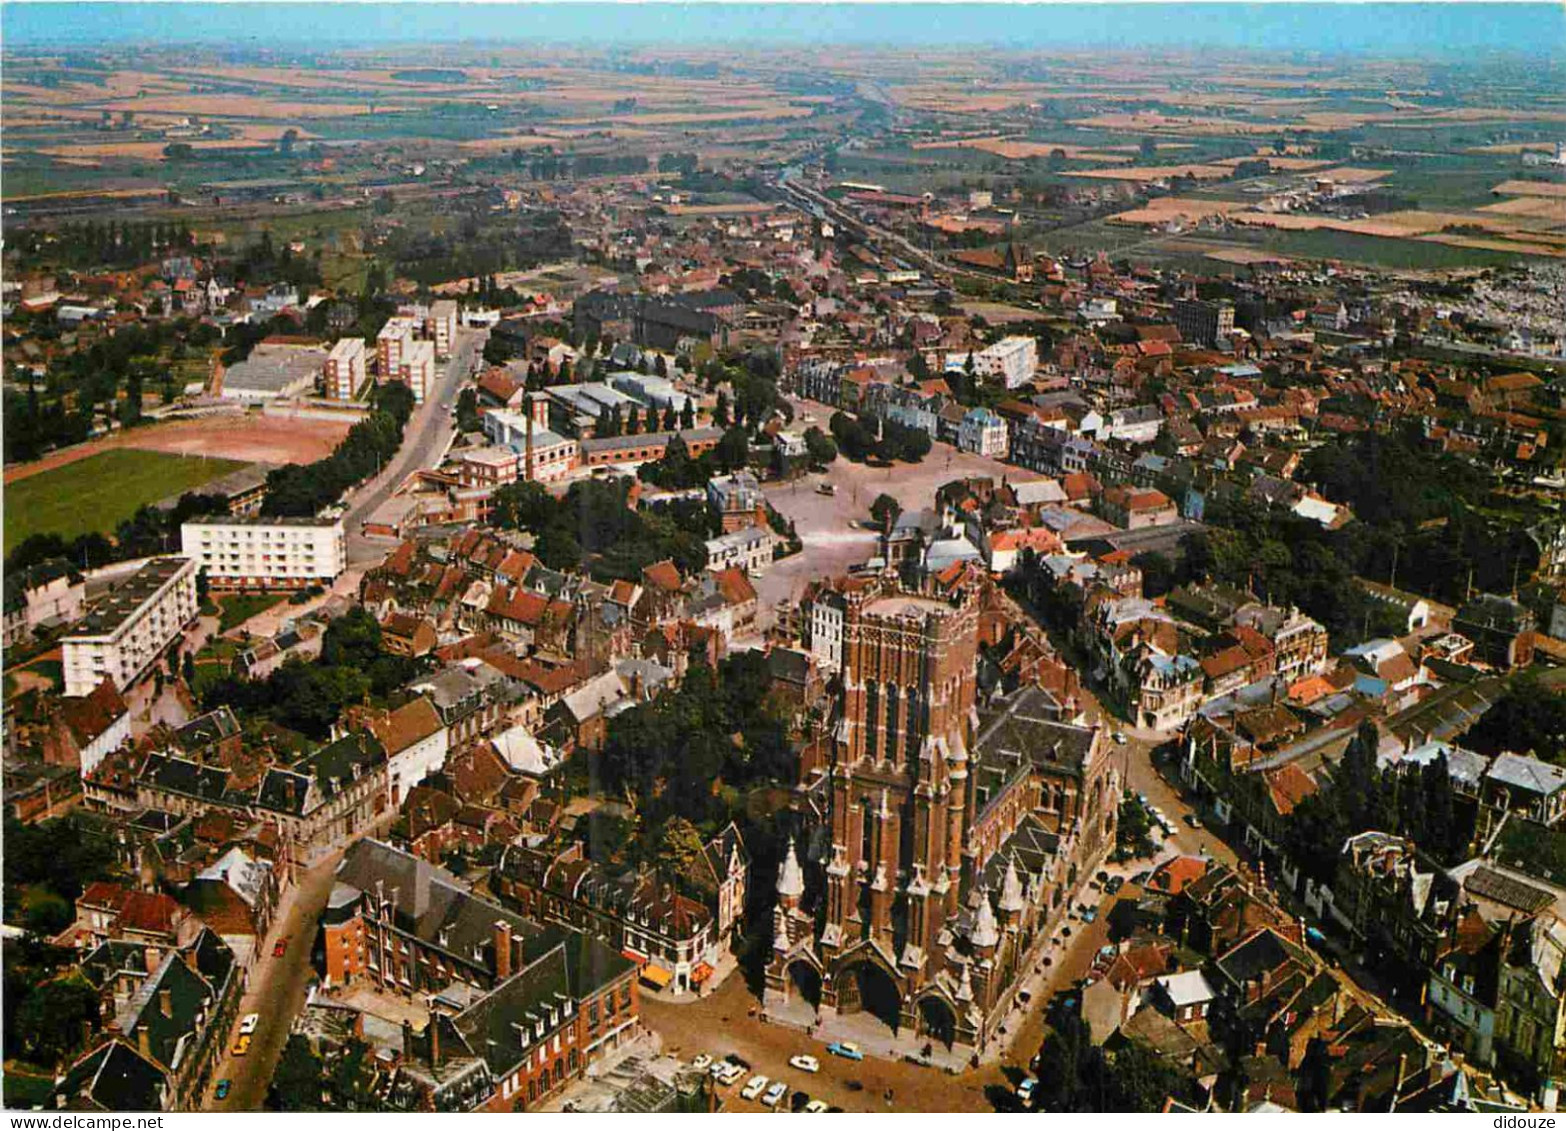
(394, 340)
(1012, 359)
(279, 553)
(124, 633)
(441, 326)
(345, 369)
(417, 369)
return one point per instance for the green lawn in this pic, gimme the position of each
(99, 492)
(240, 607)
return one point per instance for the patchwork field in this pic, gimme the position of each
(101, 491)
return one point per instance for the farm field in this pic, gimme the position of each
(99, 492)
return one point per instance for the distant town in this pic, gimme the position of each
(640, 579)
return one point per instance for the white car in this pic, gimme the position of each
(1120, 738)
(1025, 1089)
(754, 1087)
(250, 1023)
(816, 1107)
(775, 1094)
(701, 1062)
(805, 1063)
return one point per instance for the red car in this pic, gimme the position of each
(281, 948)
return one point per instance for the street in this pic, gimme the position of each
(277, 990)
(428, 433)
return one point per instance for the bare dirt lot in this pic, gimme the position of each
(251, 438)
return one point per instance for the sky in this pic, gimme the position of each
(1387, 29)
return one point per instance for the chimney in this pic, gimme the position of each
(166, 1002)
(143, 1042)
(407, 1039)
(433, 1028)
(502, 950)
(149, 957)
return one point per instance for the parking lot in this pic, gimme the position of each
(831, 544)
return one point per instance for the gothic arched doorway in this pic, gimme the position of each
(866, 987)
(937, 1021)
(806, 981)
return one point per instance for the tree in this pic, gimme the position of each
(885, 510)
(633, 421)
(1134, 829)
(670, 418)
(497, 350)
(296, 1084)
(720, 411)
(51, 1018)
(819, 447)
(679, 853)
(1148, 149)
(688, 414)
(468, 419)
(353, 639)
(733, 450)
(1529, 716)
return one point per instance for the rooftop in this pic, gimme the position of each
(122, 603)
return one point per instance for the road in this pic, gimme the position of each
(428, 433)
(277, 990)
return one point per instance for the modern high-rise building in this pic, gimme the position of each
(345, 369)
(126, 631)
(944, 836)
(1203, 323)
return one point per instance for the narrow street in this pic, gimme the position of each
(277, 990)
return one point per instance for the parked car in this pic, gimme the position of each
(736, 1058)
(1103, 877)
(846, 1049)
(242, 1046)
(701, 1062)
(1026, 1089)
(1120, 738)
(774, 1095)
(826, 488)
(1114, 885)
(805, 1063)
(730, 1074)
(799, 1101)
(250, 1022)
(754, 1087)
(281, 948)
(1193, 820)
(222, 1089)
(816, 1107)
(1089, 915)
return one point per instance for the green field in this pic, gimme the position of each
(99, 492)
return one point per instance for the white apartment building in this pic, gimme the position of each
(441, 326)
(553, 456)
(1012, 359)
(266, 553)
(391, 343)
(417, 370)
(124, 633)
(345, 369)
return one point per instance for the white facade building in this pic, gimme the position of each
(266, 552)
(983, 432)
(824, 620)
(345, 369)
(1012, 359)
(121, 637)
(749, 549)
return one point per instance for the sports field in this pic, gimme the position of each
(99, 492)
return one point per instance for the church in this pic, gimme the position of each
(945, 832)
